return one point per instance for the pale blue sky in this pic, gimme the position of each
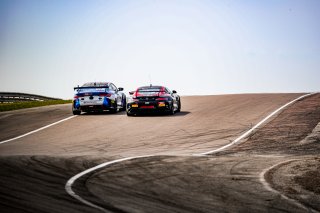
(198, 47)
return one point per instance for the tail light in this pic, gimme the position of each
(105, 94)
(78, 96)
(164, 94)
(136, 94)
(161, 104)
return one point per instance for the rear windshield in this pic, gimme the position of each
(96, 84)
(149, 89)
(92, 90)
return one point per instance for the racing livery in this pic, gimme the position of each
(98, 96)
(153, 99)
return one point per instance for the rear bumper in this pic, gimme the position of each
(91, 108)
(150, 107)
(107, 104)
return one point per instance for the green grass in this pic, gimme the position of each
(30, 104)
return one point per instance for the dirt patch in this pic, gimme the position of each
(313, 137)
(310, 179)
(299, 180)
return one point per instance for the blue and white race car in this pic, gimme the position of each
(98, 96)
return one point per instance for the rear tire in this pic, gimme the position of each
(76, 112)
(114, 109)
(179, 106)
(129, 114)
(171, 112)
(124, 104)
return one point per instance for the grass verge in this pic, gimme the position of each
(30, 104)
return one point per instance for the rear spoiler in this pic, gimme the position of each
(93, 87)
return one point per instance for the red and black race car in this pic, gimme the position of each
(153, 99)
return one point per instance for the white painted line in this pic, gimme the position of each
(37, 130)
(70, 182)
(247, 133)
(268, 187)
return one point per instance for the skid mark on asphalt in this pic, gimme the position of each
(250, 131)
(71, 181)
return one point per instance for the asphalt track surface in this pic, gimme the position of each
(35, 168)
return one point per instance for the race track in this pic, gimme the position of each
(35, 168)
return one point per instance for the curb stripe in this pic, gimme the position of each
(68, 186)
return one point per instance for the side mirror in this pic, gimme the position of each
(131, 93)
(120, 89)
(173, 91)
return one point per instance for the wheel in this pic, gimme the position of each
(129, 114)
(179, 106)
(171, 112)
(124, 104)
(76, 112)
(115, 108)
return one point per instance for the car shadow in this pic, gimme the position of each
(181, 113)
(106, 113)
(103, 113)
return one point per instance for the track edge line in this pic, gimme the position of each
(37, 130)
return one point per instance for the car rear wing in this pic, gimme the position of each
(92, 87)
